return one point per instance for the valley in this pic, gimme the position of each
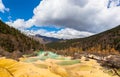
(25, 56)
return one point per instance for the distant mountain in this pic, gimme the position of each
(45, 39)
(105, 42)
(13, 41)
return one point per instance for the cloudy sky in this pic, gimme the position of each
(61, 18)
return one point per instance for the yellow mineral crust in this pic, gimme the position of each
(50, 68)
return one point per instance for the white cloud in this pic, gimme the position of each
(113, 3)
(88, 16)
(83, 15)
(66, 33)
(20, 24)
(2, 7)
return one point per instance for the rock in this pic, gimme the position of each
(86, 59)
(112, 61)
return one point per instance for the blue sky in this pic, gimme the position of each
(50, 28)
(61, 18)
(19, 9)
(23, 9)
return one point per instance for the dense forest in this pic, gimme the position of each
(105, 42)
(12, 40)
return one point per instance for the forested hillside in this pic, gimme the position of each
(13, 40)
(105, 42)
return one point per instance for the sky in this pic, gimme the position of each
(65, 19)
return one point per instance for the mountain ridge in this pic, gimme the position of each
(107, 41)
(48, 39)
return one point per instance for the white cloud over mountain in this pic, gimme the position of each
(91, 16)
(66, 33)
